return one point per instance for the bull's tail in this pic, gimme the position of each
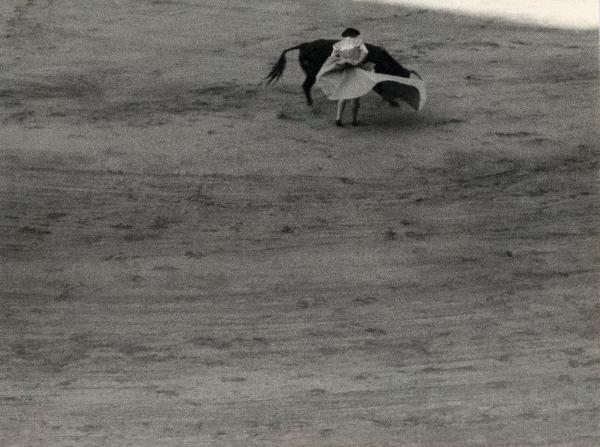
(277, 70)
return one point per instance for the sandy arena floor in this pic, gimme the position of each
(191, 259)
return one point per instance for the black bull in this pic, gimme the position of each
(314, 54)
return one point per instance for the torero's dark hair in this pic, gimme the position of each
(350, 32)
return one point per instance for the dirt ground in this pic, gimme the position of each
(192, 259)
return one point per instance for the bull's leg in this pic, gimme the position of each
(391, 101)
(307, 86)
(355, 107)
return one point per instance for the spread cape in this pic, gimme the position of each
(338, 83)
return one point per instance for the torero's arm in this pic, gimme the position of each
(336, 52)
(363, 53)
(359, 55)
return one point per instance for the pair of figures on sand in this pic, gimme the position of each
(344, 76)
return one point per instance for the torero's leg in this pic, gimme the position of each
(355, 107)
(340, 110)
